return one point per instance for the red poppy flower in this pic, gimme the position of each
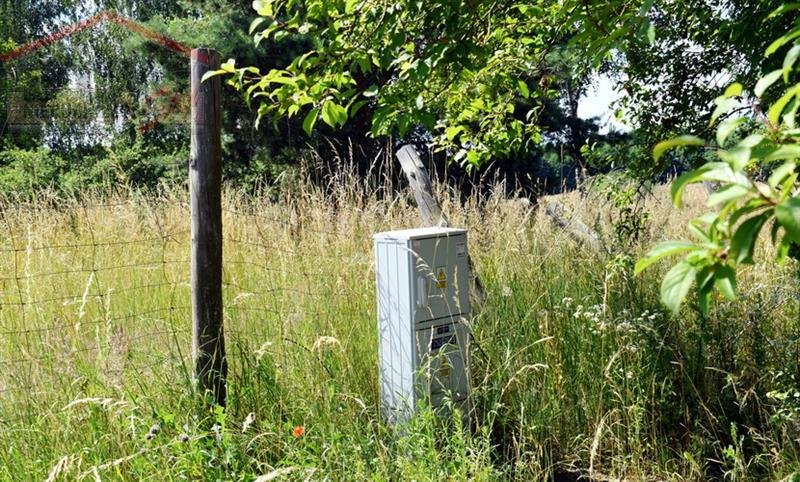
(298, 431)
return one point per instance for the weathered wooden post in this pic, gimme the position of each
(574, 227)
(420, 182)
(205, 176)
(429, 208)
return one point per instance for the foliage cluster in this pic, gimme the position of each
(472, 77)
(758, 182)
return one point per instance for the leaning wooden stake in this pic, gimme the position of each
(573, 226)
(205, 176)
(429, 208)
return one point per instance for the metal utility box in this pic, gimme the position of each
(423, 301)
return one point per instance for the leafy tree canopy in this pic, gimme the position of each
(697, 48)
(472, 74)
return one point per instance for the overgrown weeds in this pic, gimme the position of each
(575, 367)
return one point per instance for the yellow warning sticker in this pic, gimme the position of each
(441, 277)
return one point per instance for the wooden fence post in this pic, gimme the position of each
(205, 176)
(429, 208)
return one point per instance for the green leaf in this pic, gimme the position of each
(781, 41)
(451, 132)
(786, 7)
(680, 141)
(727, 193)
(356, 106)
(680, 182)
(333, 114)
(734, 90)
(310, 120)
(765, 82)
(788, 214)
(698, 232)
(725, 281)
(372, 91)
(263, 7)
(780, 173)
(744, 239)
(724, 104)
(727, 127)
(676, 284)
(523, 89)
(788, 151)
(229, 66)
(662, 250)
(262, 111)
(789, 60)
(255, 23)
(788, 185)
(704, 280)
(404, 124)
(783, 249)
(737, 157)
(776, 109)
(704, 299)
(651, 33)
(213, 73)
(473, 157)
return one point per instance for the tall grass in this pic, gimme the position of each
(576, 369)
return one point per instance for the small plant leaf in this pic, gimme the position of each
(727, 193)
(523, 89)
(725, 281)
(765, 82)
(734, 90)
(781, 41)
(255, 23)
(789, 60)
(680, 141)
(788, 215)
(790, 151)
(310, 120)
(333, 114)
(775, 111)
(676, 285)
(662, 250)
(263, 7)
(744, 239)
(780, 173)
(726, 128)
(680, 182)
(372, 91)
(651, 34)
(724, 104)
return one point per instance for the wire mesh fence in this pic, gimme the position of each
(89, 294)
(95, 297)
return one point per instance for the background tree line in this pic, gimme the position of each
(106, 107)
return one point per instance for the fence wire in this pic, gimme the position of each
(90, 295)
(96, 295)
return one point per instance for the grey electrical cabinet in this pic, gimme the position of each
(423, 303)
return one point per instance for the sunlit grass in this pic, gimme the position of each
(575, 365)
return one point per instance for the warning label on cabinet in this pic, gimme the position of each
(441, 277)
